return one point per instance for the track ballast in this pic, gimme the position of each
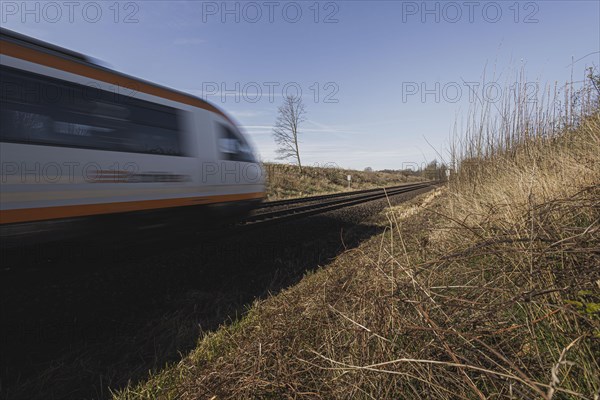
(307, 206)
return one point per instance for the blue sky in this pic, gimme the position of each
(362, 66)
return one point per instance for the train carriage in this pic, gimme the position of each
(78, 140)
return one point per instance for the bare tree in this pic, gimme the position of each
(285, 132)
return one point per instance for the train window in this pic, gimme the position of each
(40, 110)
(233, 146)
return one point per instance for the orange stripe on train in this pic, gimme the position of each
(47, 213)
(52, 61)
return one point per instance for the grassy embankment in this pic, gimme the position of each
(487, 288)
(285, 181)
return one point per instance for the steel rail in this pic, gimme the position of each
(331, 205)
(296, 200)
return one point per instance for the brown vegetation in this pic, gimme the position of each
(488, 288)
(286, 181)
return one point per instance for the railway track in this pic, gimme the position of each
(267, 213)
(89, 297)
(307, 206)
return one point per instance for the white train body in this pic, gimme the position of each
(78, 140)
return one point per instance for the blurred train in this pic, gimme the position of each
(80, 140)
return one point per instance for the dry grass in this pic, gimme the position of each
(285, 181)
(489, 288)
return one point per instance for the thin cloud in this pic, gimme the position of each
(246, 114)
(188, 41)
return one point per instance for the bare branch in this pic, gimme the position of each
(285, 133)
